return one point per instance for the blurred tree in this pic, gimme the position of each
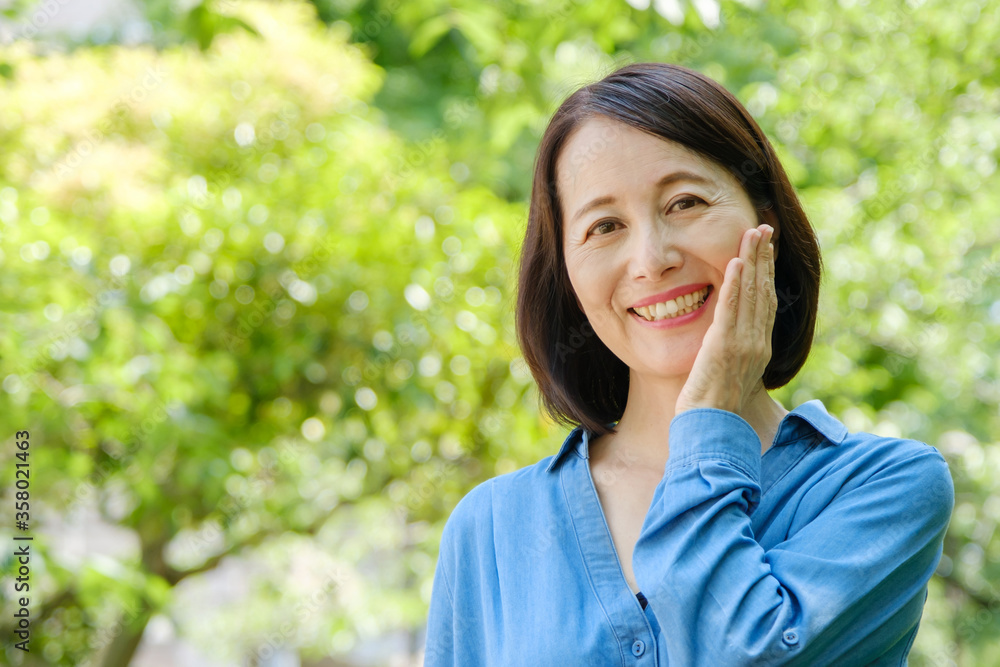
(216, 337)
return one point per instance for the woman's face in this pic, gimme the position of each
(643, 216)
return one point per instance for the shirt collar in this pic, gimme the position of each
(812, 419)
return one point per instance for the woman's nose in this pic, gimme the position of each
(653, 252)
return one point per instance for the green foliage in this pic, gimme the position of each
(195, 330)
(258, 284)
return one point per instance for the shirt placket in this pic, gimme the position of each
(636, 636)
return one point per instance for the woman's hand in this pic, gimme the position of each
(737, 347)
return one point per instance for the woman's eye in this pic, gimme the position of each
(694, 201)
(607, 225)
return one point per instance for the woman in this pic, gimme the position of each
(669, 278)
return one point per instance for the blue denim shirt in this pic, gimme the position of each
(816, 553)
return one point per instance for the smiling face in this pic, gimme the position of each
(642, 216)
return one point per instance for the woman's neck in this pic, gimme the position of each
(642, 438)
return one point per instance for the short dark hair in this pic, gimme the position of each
(581, 381)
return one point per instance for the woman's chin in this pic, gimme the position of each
(664, 368)
(674, 357)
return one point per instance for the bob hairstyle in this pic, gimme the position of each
(581, 380)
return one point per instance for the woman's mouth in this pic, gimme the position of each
(674, 309)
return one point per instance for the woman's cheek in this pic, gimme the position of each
(726, 229)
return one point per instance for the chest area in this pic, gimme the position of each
(625, 497)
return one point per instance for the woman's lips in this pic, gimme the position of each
(680, 320)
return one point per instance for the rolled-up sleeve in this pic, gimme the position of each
(834, 588)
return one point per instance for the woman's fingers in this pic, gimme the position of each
(730, 357)
(762, 309)
(768, 294)
(758, 301)
(747, 320)
(728, 307)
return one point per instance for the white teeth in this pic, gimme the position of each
(674, 308)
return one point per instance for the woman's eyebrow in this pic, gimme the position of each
(663, 182)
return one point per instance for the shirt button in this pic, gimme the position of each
(638, 647)
(790, 637)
